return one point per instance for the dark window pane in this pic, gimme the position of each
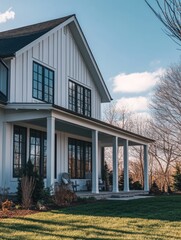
(79, 99)
(43, 81)
(19, 150)
(80, 159)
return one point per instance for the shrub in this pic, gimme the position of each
(177, 178)
(6, 207)
(63, 196)
(155, 189)
(106, 176)
(137, 185)
(27, 187)
(121, 182)
(38, 192)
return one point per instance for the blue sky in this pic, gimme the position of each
(126, 39)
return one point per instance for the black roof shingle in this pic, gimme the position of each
(13, 40)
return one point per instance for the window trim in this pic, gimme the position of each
(77, 143)
(76, 99)
(23, 164)
(43, 83)
(43, 136)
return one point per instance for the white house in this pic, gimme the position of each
(51, 92)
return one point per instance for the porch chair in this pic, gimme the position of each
(102, 186)
(67, 181)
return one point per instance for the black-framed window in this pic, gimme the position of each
(3, 82)
(80, 158)
(19, 150)
(43, 83)
(38, 152)
(79, 99)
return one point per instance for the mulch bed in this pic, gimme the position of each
(15, 213)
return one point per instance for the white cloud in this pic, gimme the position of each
(9, 14)
(136, 82)
(134, 104)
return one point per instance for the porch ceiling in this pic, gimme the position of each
(63, 126)
(67, 127)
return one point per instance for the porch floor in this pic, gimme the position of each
(112, 195)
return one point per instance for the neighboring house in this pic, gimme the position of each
(51, 92)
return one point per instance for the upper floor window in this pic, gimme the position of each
(3, 82)
(79, 99)
(43, 83)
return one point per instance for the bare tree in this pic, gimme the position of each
(123, 118)
(118, 116)
(166, 102)
(166, 111)
(166, 153)
(169, 14)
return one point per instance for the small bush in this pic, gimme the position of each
(155, 189)
(63, 196)
(27, 187)
(6, 206)
(38, 192)
(137, 186)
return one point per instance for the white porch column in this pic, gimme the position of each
(146, 177)
(6, 154)
(50, 150)
(115, 165)
(95, 183)
(126, 166)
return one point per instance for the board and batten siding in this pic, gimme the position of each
(59, 52)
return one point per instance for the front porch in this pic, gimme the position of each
(111, 195)
(64, 124)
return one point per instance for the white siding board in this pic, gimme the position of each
(60, 52)
(59, 63)
(12, 82)
(36, 51)
(24, 82)
(45, 44)
(51, 50)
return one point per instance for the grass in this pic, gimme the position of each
(150, 218)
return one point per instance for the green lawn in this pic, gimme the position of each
(150, 218)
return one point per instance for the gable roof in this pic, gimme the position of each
(13, 40)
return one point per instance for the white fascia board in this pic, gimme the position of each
(58, 27)
(28, 106)
(100, 127)
(17, 116)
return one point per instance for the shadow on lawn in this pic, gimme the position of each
(37, 227)
(156, 208)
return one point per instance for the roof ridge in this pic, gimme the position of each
(34, 28)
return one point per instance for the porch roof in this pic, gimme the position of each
(71, 122)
